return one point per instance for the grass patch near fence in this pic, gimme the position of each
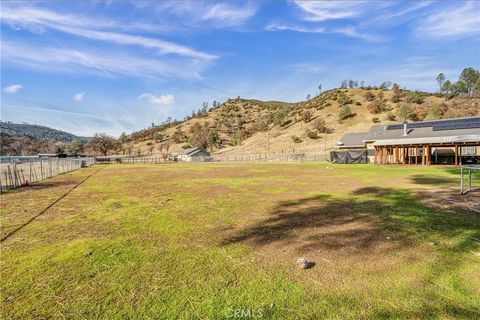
(209, 241)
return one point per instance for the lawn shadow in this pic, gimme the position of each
(362, 225)
(433, 180)
(318, 223)
(361, 220)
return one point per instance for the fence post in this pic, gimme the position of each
(15, 173)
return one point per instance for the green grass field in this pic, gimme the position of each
(216, 241)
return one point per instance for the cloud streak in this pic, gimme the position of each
(40, 20)
(160, 100)
(13, 88)
(330, 10)
(64, 60)
(452, 22)
(349, 31)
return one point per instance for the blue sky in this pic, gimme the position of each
(113, 66)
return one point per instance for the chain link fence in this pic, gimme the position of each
(21, 171)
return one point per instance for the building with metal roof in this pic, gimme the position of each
(352, 140)
(194, 154)
(419, 142)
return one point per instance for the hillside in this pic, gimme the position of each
(37, 132)
(315, 125)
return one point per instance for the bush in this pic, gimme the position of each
(369, 96)
(320, 126)
(296, 139)
(415, 97)
(377, 106)
(375, 120)
(345, 113)
(436, 111)
(407, 112)
(391, 116)
(306, 116)
(311, 134)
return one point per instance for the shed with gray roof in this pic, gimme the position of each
(194, 155)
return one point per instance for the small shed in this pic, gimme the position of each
(194, 155)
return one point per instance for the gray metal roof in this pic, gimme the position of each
(425, 134)
(192, 151)
(437, 140)
(352, 140)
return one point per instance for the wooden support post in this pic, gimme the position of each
(416, 155)
(456, 155)
(396, 155)
(460, 155)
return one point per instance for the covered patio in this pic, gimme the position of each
(426, 151)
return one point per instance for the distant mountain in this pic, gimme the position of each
(38, 132)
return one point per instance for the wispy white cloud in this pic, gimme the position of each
(452, 22)
(354, 32)
(13, 88)
(64, 60)
(349, 31)
(160, 100)
(40, 20)
(331, 10)
(313, 68)
(79, 96)
(275, 26)
(393, 14)
(203, 14)
(228, 14)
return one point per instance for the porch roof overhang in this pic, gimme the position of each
(449, 140)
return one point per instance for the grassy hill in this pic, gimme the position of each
(37, 132)
(253, 126)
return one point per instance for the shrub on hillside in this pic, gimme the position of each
(406, 112)
(391, 116)
(311, 134)
(377, 106)
(415, 97)
(343, 99)
(396, 93)
(375, 120)
(296, 139)
(369, 96)
(320, 126)
(345, 113)
(436, 111)
(306, 115)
